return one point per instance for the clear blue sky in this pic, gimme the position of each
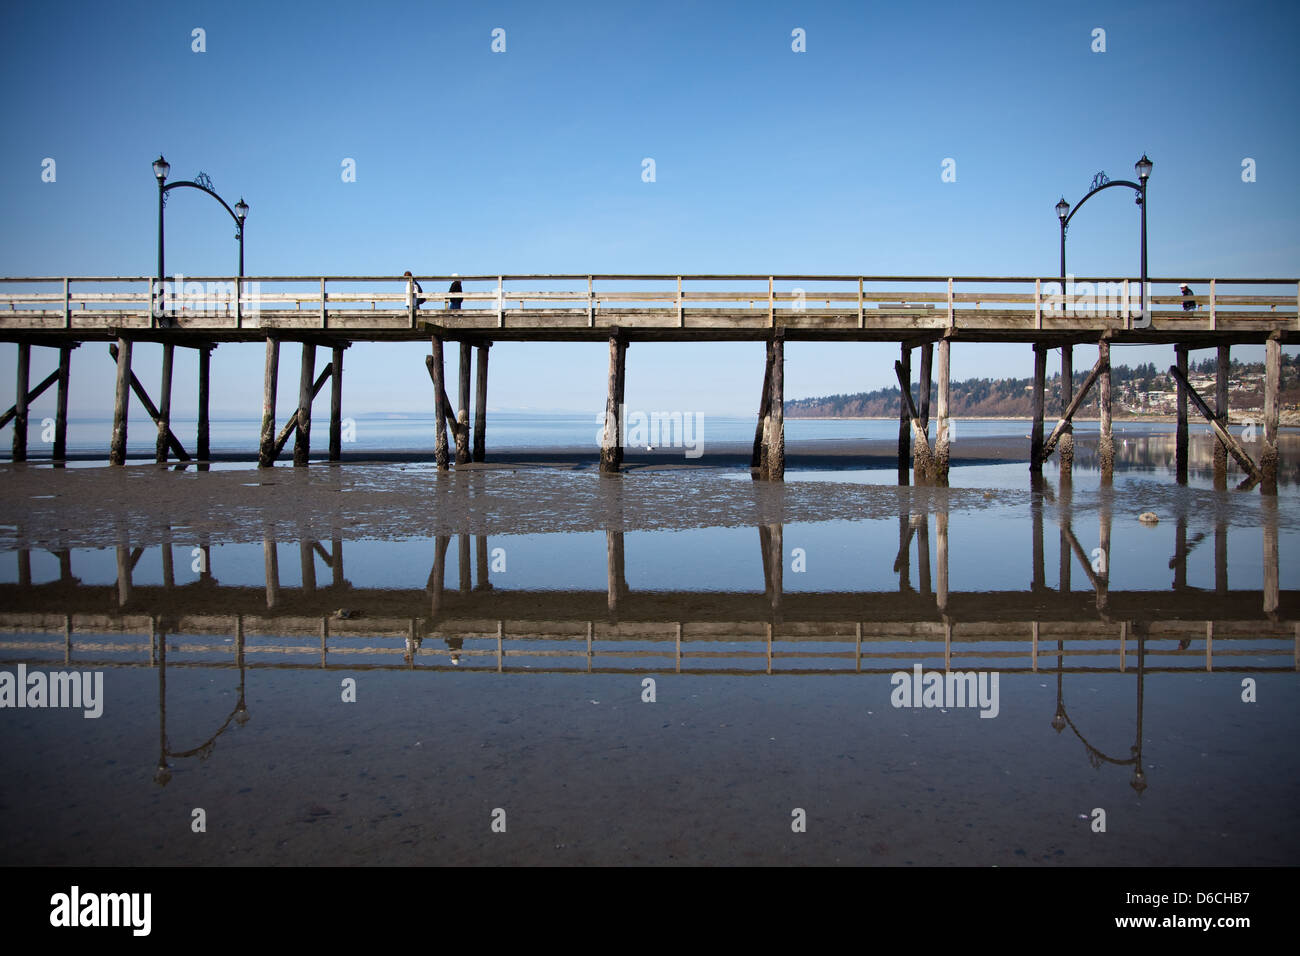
(530, 161)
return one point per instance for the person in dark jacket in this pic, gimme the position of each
(1189, 303)
(454, 287)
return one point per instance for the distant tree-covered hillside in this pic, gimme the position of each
(1141, 389)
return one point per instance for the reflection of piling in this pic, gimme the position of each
(438, 574)
(168, 568)
(336, 562)
(1268, 461)
(481, 563)
(1180, 553)
(123, 575)
(773, 563)
(941, 591)
(24, 567)
(271, 560)
(615, 573)
(1220, 554)
(903, 563)
(1067, 497)
(923, 551)
(1180, 446)
(1103, 573)
(307, 559)
(1036, 513)
(1221, 411)
(1271, 587)
(904, 416)
(462, 565)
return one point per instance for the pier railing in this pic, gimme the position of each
(655, 304)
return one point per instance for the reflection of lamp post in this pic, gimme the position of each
(1061, 720)
(1064, 213)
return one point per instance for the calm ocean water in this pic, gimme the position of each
(510, 430)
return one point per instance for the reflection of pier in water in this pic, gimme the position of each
(622, 631)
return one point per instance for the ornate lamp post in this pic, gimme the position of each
(1064, 213)
(201, 182)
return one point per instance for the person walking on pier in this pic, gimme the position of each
(1189, 304)
(454, 287)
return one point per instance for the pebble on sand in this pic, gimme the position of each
(1148, 517)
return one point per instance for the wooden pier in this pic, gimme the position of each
(927, 312)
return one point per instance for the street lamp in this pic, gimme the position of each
(201, 182)
(1100, 182)
(241, 213)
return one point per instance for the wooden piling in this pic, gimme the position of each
(1234, 446)
(270, 379)
(203, 448)
(61, 404)
(165, 404)
(1105, 441)
(480, 403)
(462, 406)
(1066, 454)
(924, 460)
(306, 379)
(904, 369)
(1038, 399)
(776, 413)
(764, 407)
(437, 370)
(941, 438)
(1180, 446)
(927, 363)
(1222, 366)
(611, 452)
(121, 402)
(336, 404)
(1268, 462)
(20, 404)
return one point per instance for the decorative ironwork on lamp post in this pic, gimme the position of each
(202, 183)
(1099, 182)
